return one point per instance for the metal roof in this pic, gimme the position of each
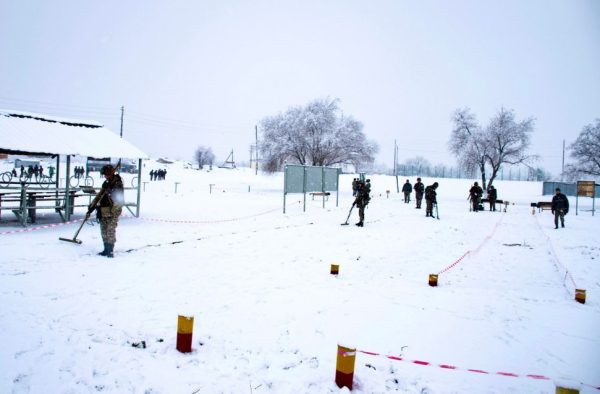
(29, 133)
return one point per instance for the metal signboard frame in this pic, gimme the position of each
(310, 179)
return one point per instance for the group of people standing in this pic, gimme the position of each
(79, 171)
(158, 175)
(31, 171)
(476, 195)
(429, 192)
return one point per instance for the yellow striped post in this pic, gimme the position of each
(580, 295)
(344, 366)
(433, 278)
(565, 390)
(185, 327)
(335, 269)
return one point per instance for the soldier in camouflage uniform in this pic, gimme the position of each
(419, 188)
(430, 199)
(475, 193)
(109, 208)
(362, 200)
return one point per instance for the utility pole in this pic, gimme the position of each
(563, 163)
(396, 166)
(256, 148)
(122, 113)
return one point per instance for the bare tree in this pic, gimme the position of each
(586, 151)
(204, 156)
(507, 141)
(316, 134)
(504, 141)
(468, 142)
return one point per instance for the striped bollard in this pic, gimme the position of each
(185, 327)
(580, 295)
(567, 386)
(566, 390)
(433, 278)
(335, 269)
(344, 366)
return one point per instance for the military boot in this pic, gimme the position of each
(109, 250)
(105, 251)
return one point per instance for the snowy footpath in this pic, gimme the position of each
(268, 315)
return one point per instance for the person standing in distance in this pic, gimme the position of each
(407, 189)
(109, 208)
(419, 189)
(560, 207)
(492, 197)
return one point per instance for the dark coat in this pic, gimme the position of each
(362, 196)
(115, 194)
(431, 194)
(419, 188)
(560, 201)
(476, 192)
(407, 188)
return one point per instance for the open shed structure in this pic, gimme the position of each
(23, 133)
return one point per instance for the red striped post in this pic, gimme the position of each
(344, 366)
(433, 279)
(580, 295)
(335, 269)
(185, 327)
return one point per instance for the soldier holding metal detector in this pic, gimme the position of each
(362, 200)
(431, 200)
(110, 206)
(475, 194)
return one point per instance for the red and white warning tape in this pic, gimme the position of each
(29, 229)
(555, 257)
(208, 221)
(53, 225)
(455, 368)
(477, 249)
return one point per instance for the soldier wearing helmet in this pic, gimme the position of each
(109, 208)
(475, 194)
(430, 198)
(419, 188)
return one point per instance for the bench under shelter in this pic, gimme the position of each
(31, 134)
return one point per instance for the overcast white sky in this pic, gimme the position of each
(195, 73)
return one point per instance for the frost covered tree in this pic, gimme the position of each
(504, 141)
(508, 141)
(317, 134)
(469, 143)
(204, 156)
(586, 151)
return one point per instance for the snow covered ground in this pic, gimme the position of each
(268, 314)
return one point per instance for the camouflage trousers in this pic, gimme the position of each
(108, 225)
(419, 198)
(428, 207)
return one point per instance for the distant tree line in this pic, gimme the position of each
(419, 166)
